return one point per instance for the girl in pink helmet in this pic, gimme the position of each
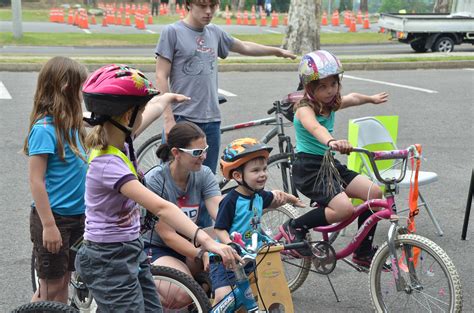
(320, 74)
(112, 261)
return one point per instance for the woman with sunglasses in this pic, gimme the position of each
(183, 180)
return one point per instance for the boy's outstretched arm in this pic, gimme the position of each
(280, 198)
(155, 108)
(355, 99)
(254, 49)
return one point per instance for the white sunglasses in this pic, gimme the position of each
(196, 153)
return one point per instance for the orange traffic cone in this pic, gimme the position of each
(246, 18)
(263, 19)
(118, 19)
(76, 19)
(150, 19)
(70, 17)
(359, 17)
(253, 19)
(61, 16)
(239, 20)
(324, 19)
(181, 15)
(285, 19)
(352, 26)
(85, 21)
(335, 20)
(347, 19)
(93, 21)
(127, 19)
(227, 16)
(274, 19)
(366, 21)
(104, 20)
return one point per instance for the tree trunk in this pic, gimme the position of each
(241, 5)
(442, 6)
(234, 6)
(172, 6)
(364, 6)
(302, 33)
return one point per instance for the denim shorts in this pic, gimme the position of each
(55, 265)
(157, 252)
(305, 170)
(221, 277)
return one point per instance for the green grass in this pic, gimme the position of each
(95, 39)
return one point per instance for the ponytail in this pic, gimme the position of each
(164, 152)
(97, 138)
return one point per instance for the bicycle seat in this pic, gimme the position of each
(288, 102)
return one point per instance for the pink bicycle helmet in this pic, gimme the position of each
(114, 89)
(318, 64)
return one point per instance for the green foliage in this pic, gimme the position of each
(411, 6)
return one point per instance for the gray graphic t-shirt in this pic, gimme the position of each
(201, 186)
(193, 55)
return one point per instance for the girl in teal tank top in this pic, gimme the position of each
(320, 74)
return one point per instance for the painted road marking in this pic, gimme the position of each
(226, 93)
(150, 31)
(87, 31)
(391, 84)
(272, 31)
(4, 94)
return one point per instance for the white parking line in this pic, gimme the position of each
(150, 31)
(391, 84)
(4, 94)
(87, 31)
(226, 93)
(468, 69)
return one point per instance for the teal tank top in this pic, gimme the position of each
(305, 142)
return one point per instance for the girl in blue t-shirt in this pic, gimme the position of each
(320, 75)
(57, 170)
(112, 261)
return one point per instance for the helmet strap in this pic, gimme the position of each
(246, 186)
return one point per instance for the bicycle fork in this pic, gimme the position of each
(407, 255)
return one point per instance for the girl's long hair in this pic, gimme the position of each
(180, 136)
(58, 95)
(318, 107)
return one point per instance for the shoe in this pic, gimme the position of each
(364, 259)
(293, 235)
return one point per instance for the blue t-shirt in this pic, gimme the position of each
(64, 180)
(306, 142)
(235, 213)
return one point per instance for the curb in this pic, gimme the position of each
(275, 67)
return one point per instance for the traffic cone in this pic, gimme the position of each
(239, 20)
(336, 18)
(93, 20)
(181, 15)
(274, 19)
(246, 18)
(347, 18)
(85, 20)
(162, 9)
(263, 19)
(104, 20)
(253, 19)
(352, 26)
(127, 19)
(118, 19)
(366, 21)
(70, 17)
(76, 18)
(324, 20)
(359, 17)
(227, 16)
(285, 19)
(52, 15)
(61, 16)
(150, 19)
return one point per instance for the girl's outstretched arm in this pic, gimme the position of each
(173, 216)
(155, 108)
(354, 99)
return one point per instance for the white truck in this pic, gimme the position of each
(438, 32)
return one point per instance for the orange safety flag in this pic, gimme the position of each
(413, 205)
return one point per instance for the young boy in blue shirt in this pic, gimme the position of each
(245, 161)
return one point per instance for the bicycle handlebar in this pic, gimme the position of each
(389, 155)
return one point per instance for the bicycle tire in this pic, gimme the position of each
(146, 153)
(424, 294)
(199, 300)
(279, 174)
(46, 307)
(296, 269)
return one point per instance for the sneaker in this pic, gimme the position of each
(293, 235)
(364, 259)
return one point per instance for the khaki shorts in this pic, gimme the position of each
(47, 264)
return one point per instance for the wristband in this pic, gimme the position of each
(195, 236)
(329, 141)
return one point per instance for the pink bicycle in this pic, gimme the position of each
(409, 273)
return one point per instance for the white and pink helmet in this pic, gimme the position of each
(318, 64)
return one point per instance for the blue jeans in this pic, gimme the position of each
(213, 138)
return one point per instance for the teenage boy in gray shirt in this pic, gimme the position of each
(186, 56)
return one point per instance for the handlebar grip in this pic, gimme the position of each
(271, 111)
